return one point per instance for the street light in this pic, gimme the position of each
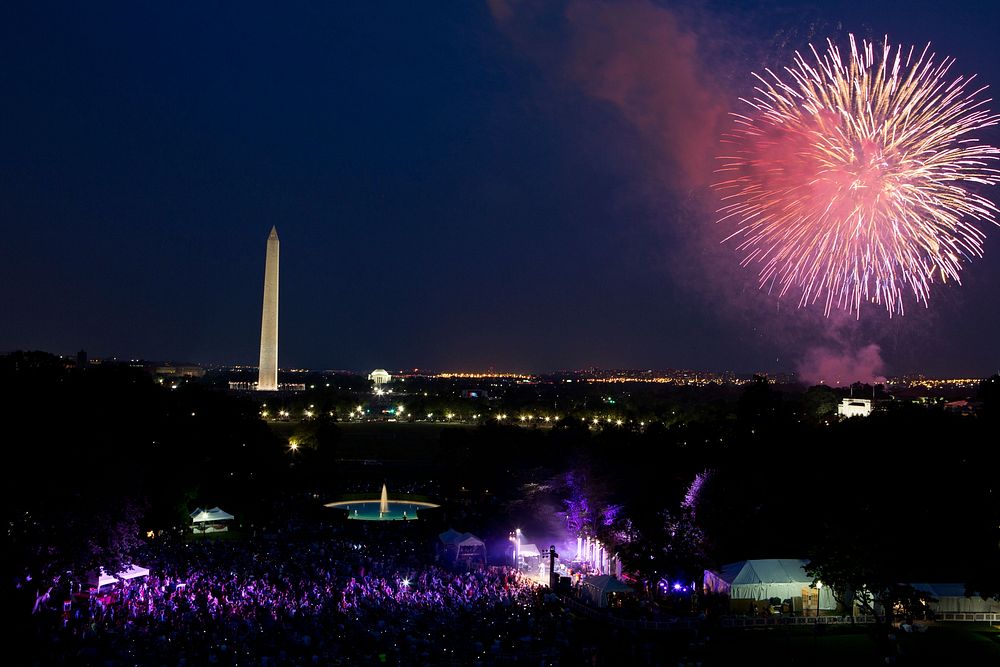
(819, 589)
(515, 537)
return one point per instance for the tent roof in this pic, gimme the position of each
(133, 571)
(450, 536)
(765, 571)
(942, 590)
(607, 584)
(529, 550)
(214, 514)
(100, 578)
(455, 538)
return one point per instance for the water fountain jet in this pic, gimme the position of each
(382, 509)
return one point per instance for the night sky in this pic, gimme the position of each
(457, 185)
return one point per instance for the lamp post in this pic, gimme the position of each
(517, 549)
(515, 538)
(552, 566)
(819, 589)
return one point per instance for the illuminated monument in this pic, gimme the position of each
(268, 378)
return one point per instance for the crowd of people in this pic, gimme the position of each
(305, 597)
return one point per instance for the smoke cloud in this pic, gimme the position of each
(842, 367)
(637, 57)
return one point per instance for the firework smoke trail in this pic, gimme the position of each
(847, 181)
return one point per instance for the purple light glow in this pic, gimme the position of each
(694, 491)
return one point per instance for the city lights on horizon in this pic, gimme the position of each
(592, 375)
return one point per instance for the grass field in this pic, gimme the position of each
(948, 644)
(382, 441)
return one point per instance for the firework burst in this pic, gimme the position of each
(849, 181)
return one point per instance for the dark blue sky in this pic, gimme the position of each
(451, 186)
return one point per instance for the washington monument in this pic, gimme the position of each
(268, 378)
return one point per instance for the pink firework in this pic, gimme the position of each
(850, 181)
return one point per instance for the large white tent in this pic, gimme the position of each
(952, 598)
(782, 578)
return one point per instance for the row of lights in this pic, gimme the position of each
(595, 421)
(359, 411)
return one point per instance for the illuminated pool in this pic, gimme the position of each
(374, 510)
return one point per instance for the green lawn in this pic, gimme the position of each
(228, 536)
(384, 441)
(953, 644)
(943, 644)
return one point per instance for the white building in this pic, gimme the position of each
(855, 407)
(379, 376)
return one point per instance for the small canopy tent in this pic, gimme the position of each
(133, 571)
(462, 546)
(529, 551)
(782, 578)
(597, 589)
(952, 598)
(102, 578)
(530, 557)
(449, 536)
(211, 520)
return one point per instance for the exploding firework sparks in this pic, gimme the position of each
(851, 181)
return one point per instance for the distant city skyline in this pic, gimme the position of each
(596, 375)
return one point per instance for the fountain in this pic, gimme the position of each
(382, 509)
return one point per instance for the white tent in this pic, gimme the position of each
(462, 546)
(597, 589)
(952, 598)
(134, 571)
(100, 578)
(782, 578)
(210, 521)
(449, 536)
(214, 514)
(529, 551)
